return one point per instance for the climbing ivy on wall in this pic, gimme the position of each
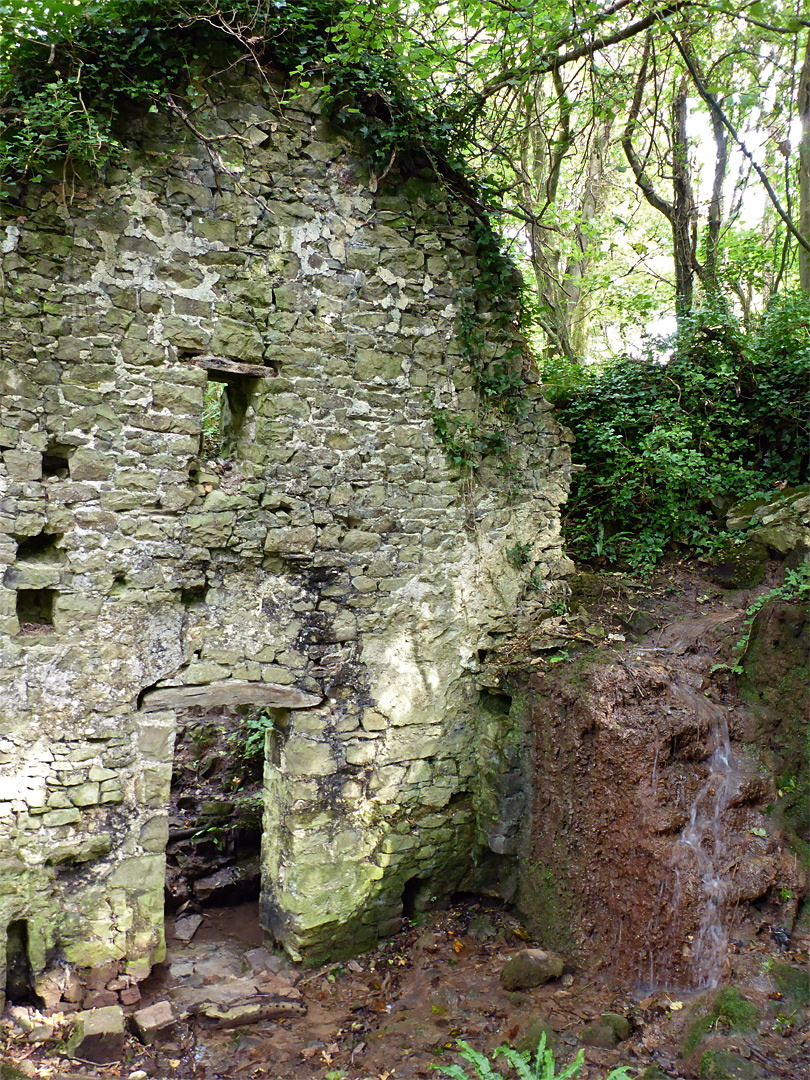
(63, 80)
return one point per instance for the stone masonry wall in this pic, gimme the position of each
(329, 564)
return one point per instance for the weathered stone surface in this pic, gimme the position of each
(98, 1035)
(609, 1030)
(324, 563)
(531, 967)
(230, 692)
(186, 928)
(154, 1023)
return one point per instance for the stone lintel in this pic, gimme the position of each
(229, 692)
(218, 365)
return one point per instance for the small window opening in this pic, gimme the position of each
(226, 403)
(495, 704)
(19, 981)
(119, 585)
(35, 610)
(211, 441)
(194, 594)
(40, 548)
(56, 462)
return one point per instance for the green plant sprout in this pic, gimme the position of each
(518, 555)
(541, 1068)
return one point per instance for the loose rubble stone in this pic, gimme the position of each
(609, 1030)
(529, 968)
(98, 1035)
(154, 1022)
(187, 927)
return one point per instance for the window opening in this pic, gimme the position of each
(19, 982)
(55, 461)
(211, 440)
(35, 610)
(40, 548)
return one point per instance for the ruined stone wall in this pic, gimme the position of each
(329, 564)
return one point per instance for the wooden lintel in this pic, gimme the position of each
(224, 367)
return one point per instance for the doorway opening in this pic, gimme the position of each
(19, 982)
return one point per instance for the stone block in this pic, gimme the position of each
(98, 1035)
(99, 999)
(154, 1023)
(306, 758)
(371, 364)
(23, 464)
(89, 464)
(85, 794)
(239, 340)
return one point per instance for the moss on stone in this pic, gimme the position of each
(723, 1065)
(793, 983)
(727, 1010)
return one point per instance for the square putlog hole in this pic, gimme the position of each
(35, 610)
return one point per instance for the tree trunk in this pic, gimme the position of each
(683, 206)
(804, 169)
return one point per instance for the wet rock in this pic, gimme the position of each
(740, 566)
(641, 622)
(241, 879)
(609, 1030)
(531, 1031)
(793, 983)
(724, 1065)
(98, 1035)
(529, 968)
(483, 928)
(234, 1001)
(154, 1022)
(262, 959)
(725, 1007)
(187, 927)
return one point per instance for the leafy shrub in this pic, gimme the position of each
(664, 442)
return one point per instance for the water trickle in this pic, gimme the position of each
(701, 844)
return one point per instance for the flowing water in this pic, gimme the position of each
(700, 845)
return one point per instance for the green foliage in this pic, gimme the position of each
(501, 381)
(64, 80)
(211, 421)
(518, 555)
(660, 439)
(249, 741)
(795, 587)
(542, 1067)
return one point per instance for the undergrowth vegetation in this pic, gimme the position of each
(668, 443)
(523, 1066)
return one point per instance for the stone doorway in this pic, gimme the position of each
(213, 854)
